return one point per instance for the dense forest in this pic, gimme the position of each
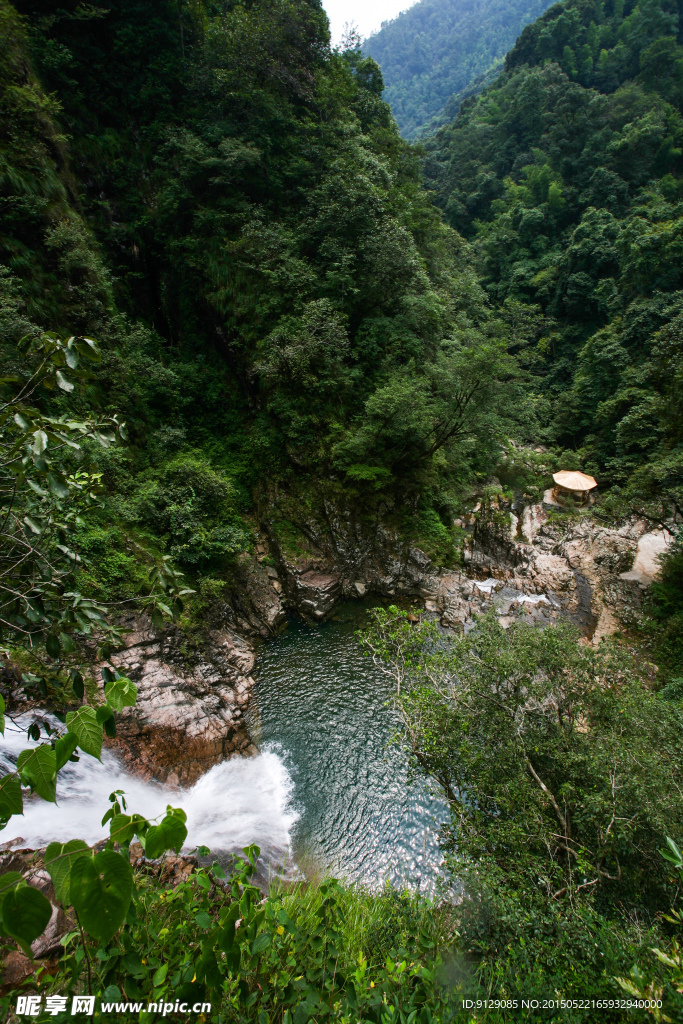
(239, 224)
(221, 273)
(565, 177)
(439, 51)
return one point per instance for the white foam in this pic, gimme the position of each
(237, 802)
(532, 599)
(486, 586)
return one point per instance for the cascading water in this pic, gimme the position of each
(238, 802)
(328, 791)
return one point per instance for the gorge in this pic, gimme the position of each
(274, 376)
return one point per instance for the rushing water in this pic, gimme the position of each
(327, 792)
(321, 704)
(238, 802)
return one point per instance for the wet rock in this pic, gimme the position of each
(316, 593)
(189, 715)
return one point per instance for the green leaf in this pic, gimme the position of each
(121, 693)
(673, 854)
(25, 915)
(68, 646)
(11, 801)
(226, 936)
(58, 485)
(53, 646)
(59, 858)
(88, 730)
(8, 881)
(41, 492)
(64, 748)
(71, 357)
(261, 943)
(170, 834)
(39, 768)
(89, 347)
(101, 891)
(40, 442)
(33, 525)
(64, 384)
(160, 975)
(124, 826)
(77, 683)
(203, 920)
(301, 1014)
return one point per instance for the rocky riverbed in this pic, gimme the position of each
(533, 565)
(536, 567)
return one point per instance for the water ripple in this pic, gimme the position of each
(323, 706)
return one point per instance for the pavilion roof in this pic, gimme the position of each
(575, 481)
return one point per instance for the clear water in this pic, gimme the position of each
(327, 792)
(322, 706)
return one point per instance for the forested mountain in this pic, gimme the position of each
(565, 175)
(226, 204)
(439, 51)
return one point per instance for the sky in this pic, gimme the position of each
(367, 15)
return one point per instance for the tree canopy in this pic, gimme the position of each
(438, 52)
(565, 176)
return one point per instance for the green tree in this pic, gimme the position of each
(559, 767)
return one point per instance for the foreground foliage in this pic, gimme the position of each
(323, 952)
(561, 770)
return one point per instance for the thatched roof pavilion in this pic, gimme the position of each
(574, 485)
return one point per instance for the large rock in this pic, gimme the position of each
(315, 593)
(597, 573)
(551, 572)
(646, 564)
(188, 715)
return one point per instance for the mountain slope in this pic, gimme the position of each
(226, 204)
(439, 48)
(566, 175)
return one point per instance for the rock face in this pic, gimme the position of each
(188, 717)
(254, 605)
(598, 574)
(650, 547)
(315, 593)
(531, 563)
(341, 554)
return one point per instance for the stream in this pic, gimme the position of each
(328, 792)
